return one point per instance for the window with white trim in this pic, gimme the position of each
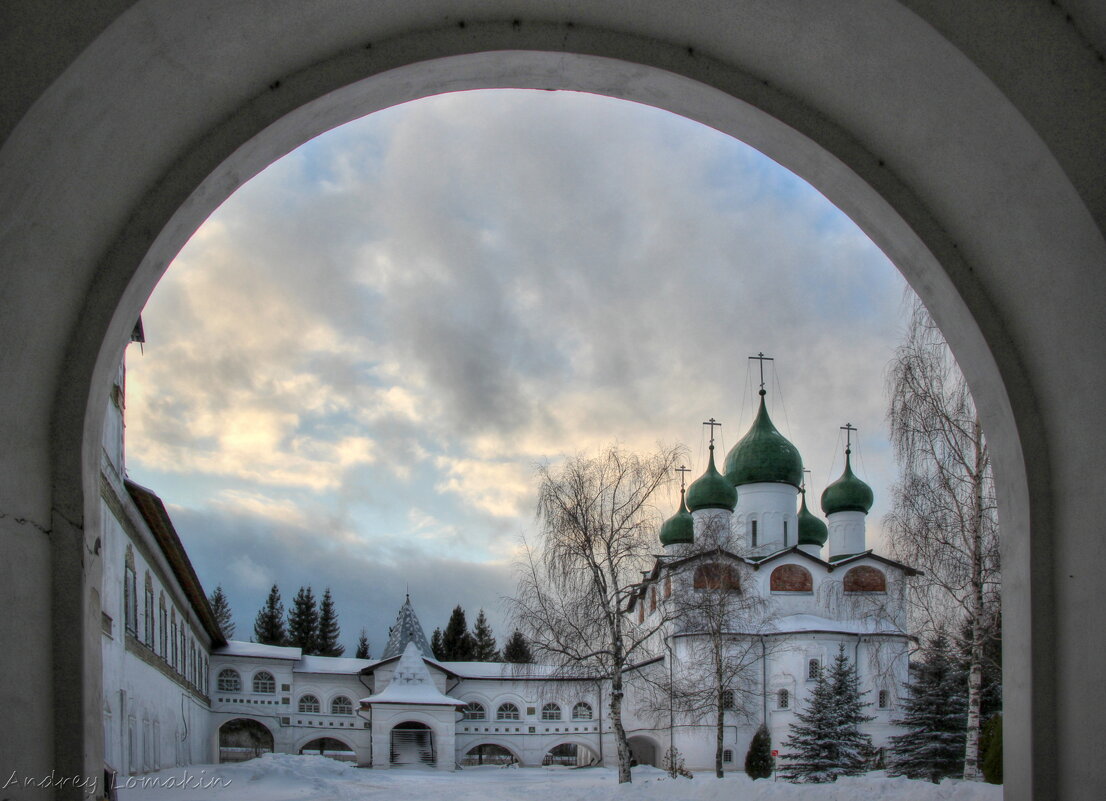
(263, 682)
(309, 704)
(507, 711)
(550, 712)
(229, 681)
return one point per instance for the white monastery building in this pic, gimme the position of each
(799, 589)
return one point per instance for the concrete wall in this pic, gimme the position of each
(967, 139)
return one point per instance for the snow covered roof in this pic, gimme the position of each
(411, 684)
(331, 664)
(257, 650)
(803, 623)
(501, 670)
(406, 630)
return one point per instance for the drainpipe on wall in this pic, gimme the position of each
(764, 681)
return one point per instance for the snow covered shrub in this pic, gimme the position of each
(759, 762)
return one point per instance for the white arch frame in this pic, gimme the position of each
(919, 193)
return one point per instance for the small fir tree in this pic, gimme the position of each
(363, 646)
(935, 716)
(220, 606)
(329, 631)
(484, 649)
(990, 745)
(759, 762)
(268, 626)
(303, 621)
(674, 764)
(436, 644)
(826, 740)
(457, 643)
(517, 649)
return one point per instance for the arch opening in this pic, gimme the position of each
(243, 738)
(489, 754)
(330, 747)
(412, 745)
(570, 755)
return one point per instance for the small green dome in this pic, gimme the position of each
(848, 493)
(680, 528)
(711, 490)
(812, 531)
(764, 455)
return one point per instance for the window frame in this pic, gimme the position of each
(576, 713)
(337, 701)
(503, 713)
(307, 700)
(258, 678)
(470, 711)
(229, 686)
(551, 711)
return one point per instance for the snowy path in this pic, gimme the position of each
(283, 777)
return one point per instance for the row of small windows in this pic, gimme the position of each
(508, 711)
(783, 698)
(229, 681)
(162, 634)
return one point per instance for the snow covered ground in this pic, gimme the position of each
(284, 777)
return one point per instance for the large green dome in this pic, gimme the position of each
(812, 531)
(680, 528)
(711, 490)
(764, 455)
(848, 493)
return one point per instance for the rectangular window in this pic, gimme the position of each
(753, 535)
(785, 533)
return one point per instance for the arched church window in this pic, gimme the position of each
(263, 682)
(341, 706)
(864, 578)
(550, 712)
(727, 699)
(229, 681)
(791, 578)
(309, 703)
(582, 711)
(783, 699)
(716, 576)
(506, 711)
(474, 711)
(753, 533)
(813, 669)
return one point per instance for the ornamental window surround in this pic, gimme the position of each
(813, 669)
(783, 699)
(148, 612)
(341, 706)
(130, 594)
(263, 682)
(229, 681)
(582, 711)
(507, 711)
(309, 704)
(474, 711)
(550, 712)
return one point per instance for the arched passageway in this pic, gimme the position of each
(242, 738)
(967, 141)
(412, 745)
(330, 747)
(644, 751)
(570, 755)
(489, 754)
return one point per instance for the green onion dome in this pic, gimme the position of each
(812, 531)
(764, 455)
(848, 493)
(711, 490)
(680, 528)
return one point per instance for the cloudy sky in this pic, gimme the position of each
(354, 366)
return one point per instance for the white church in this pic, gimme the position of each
(176, 692)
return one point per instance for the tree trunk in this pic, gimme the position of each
(622, 743)
(975, 648)
(720, 728)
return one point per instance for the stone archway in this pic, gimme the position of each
(411, 744)
(243, 738)
(951, 141)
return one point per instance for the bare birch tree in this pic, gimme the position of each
(943, 519)
(598, 531)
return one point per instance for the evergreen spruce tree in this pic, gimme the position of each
(221, 607)
(457, 643)
(517, 649)
(268, 626)
(329, 631)
(935, 716)
(990, 745)
(436, 644)
(362, 647)
(759, 762)
(826, 740)
(303, 621)
(484, 649)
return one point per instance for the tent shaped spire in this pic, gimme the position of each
(407, 629)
